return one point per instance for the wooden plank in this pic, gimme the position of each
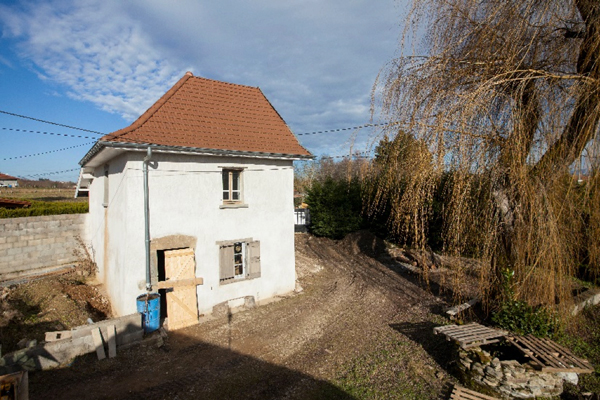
(537, 346)
(112, 341)
(453, 311)
(477, 344)
(566, 355)
(549, 356)
(180, 283)
(470, 335)
(97, 336)
(461, 393)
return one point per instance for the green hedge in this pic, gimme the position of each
(335, 207)
(45, 208)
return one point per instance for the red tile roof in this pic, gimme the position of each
(10, 203)
(5, 177)
(208, 114)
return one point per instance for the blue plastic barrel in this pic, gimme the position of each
(149, 306)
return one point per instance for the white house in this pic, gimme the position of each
(8, 181)
(220, 201)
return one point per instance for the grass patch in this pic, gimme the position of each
(582, 336)
(388, 373)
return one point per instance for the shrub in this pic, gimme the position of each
(45, 208)
(521, 318)
(335, 207)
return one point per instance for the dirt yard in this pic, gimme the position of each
(358, 330)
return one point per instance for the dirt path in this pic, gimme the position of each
(359, 330)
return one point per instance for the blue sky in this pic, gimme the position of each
(99, 64)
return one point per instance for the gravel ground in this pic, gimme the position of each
(358, 330)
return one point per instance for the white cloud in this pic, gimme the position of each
(97, 52)
(316, 60)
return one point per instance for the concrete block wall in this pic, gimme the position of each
(32, 244)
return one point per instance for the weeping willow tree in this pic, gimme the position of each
(505, 96)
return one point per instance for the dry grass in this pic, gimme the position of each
(41, 194)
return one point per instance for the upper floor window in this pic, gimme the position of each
(232, 186)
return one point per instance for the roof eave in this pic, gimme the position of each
(100, 145)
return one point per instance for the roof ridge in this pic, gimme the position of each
(226, 83)
(150, 111)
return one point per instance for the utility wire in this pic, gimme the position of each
(50, 122)
(47, 152)
(55, 172)
(48, 133)
(346, 129)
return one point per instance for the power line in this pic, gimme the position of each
(50, 122)
(47, 152)
(55, 172)
(48, 133)
(346, 129)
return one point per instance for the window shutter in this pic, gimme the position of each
(226, 262)
(254, 259)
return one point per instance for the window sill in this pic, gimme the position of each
(234, 280)
(235, 205)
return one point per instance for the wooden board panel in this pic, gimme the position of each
(460, 393)
(182, 302)
(549, 356)
(470, 335)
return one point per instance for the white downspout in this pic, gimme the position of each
(147, 219)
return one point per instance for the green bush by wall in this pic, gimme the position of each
(45, 208)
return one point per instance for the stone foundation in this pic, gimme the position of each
(509, 379)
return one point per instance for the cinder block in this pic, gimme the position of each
(39, 232)
(12, 239)
(48, 241)
(14, 251)
(38, 225)
(34, 242)
(53, 224)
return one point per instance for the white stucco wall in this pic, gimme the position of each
(185, 195)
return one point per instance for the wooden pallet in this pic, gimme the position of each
(460, 393)
(470, 335)
(548, 356)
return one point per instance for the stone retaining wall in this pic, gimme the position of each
(32, 244)
(510, 379)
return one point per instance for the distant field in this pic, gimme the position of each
(41, 194)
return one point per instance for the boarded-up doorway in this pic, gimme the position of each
(182, 302)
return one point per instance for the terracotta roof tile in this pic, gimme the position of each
(208, 114)
(7, 177)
